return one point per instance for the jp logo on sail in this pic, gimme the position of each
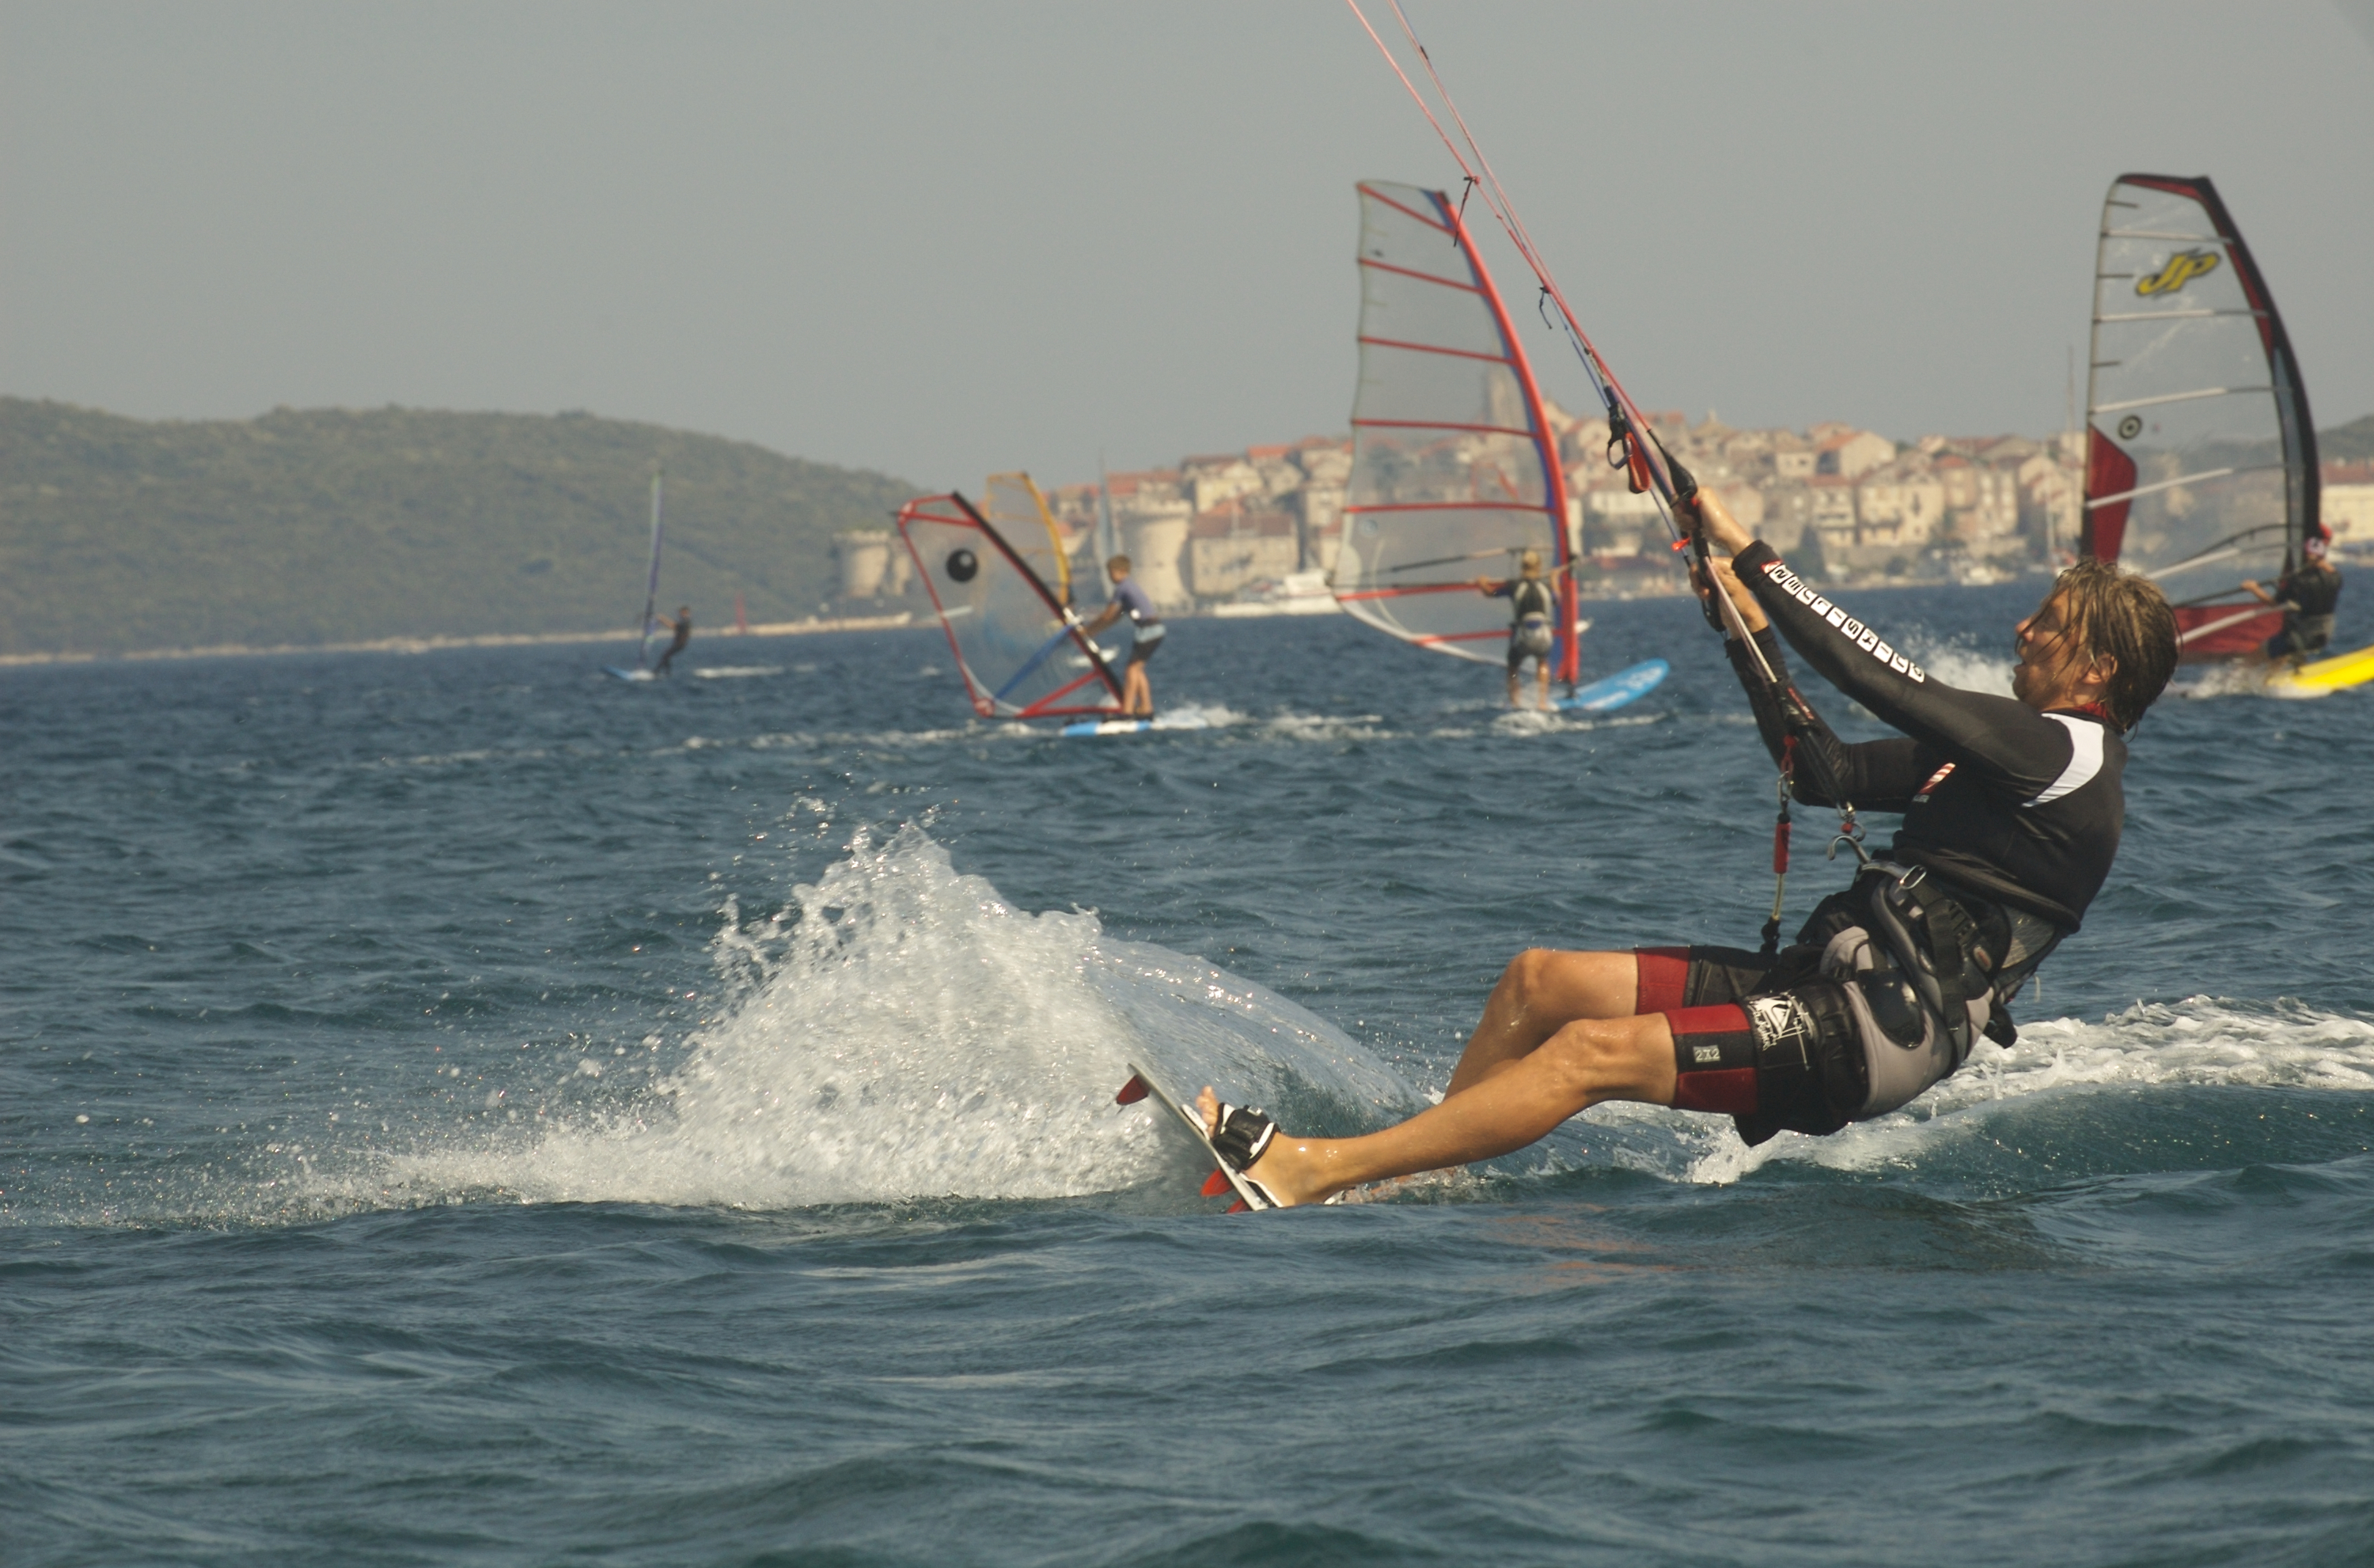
(2181, 269)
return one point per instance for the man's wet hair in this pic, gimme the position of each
(1530, 558)
(2123, 616)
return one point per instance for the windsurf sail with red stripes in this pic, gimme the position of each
(1454, 471)
(1021, 652)
(2200, 454)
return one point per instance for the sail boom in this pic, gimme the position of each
(1446, 507)
(2175, 397)
(2201, 477)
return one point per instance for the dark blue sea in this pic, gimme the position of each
(458, 1108)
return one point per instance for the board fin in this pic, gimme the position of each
(1132, 1092)
(1214, 1184)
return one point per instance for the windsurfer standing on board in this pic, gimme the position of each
(2308, 593)
(683, 624)
(1533, 602)
(2012, 813)
(1145, 636)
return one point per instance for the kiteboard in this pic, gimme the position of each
(2325, 675)
(628, 675)
(1624, 687)
(1086, 728)
(1222, 1180)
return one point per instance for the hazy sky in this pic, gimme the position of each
(939, 239)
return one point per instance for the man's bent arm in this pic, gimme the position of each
(1998, 736)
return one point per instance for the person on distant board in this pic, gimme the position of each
(2308, 593)
(1532, 603)
(683, 624)
(1145, 636)
(2012, 813)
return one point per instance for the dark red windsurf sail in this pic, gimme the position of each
(2200, 456)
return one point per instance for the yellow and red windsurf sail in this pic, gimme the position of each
(1018, 647)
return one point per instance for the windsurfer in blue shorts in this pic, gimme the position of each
(1532, 612)
(1145, 636)
(2012, 815)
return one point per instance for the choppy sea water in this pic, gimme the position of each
(459, 1108)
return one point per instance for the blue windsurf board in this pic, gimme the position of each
(1625, 685)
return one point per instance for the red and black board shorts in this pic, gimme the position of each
(1764, 1040)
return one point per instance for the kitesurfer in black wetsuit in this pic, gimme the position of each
(2308, 593)
(1532, 604)
(2012, 813)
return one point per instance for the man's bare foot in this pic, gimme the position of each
(1285, 1169)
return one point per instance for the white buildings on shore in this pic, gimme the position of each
(1232, 524)
(1847, 504)
(2348, 503)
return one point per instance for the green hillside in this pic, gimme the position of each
(2353, 442)
(332, 525)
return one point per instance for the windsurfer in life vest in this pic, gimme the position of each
(1145, 636)
(683, 624)
(2012, 815)
(2308, 593)
(1533, 607)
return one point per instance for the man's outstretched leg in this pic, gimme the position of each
(1539, 992)
(1516, 1102)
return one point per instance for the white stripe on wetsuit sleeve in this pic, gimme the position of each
(2084, 758)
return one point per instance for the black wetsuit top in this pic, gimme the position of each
(2311, 588)
(1530, 598)
(2021, 807)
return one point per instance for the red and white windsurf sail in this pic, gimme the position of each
(2200, 456)
(1022, 653)
(1454, 471)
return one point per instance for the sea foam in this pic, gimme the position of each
(900, 1031)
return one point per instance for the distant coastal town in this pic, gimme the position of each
(1849, 505)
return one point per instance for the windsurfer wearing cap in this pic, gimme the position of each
(2012, 815)
(2307, 594)
(1145, 636)
(1533, 607)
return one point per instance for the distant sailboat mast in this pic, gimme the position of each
(652, 592)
